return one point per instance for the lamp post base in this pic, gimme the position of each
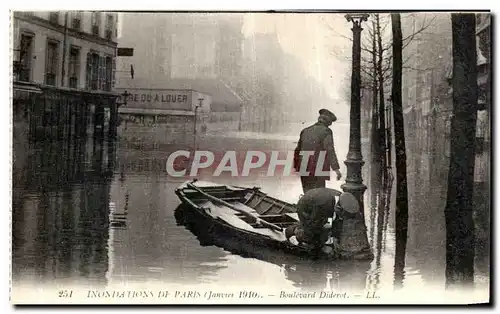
(354, 183)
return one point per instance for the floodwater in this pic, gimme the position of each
(62, 205)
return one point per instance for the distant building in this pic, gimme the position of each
(428, 109)
(277, 88)
(249, 77)
(427, 103)
(184, 51)
(263, 74)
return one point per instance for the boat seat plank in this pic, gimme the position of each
(282, 207)
(293, 215)
(250, 197)
(260, 201)
(227, 199)
(269, 208)
(229, 216)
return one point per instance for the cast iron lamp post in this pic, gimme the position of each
(354, 162)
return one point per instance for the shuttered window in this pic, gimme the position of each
(113, 74)
(76, 22)
(88, 71)
(96, 23)
(92, 76)
(25, 57)
(95, 72)
(51, 62)
(109, 27)
(100, 72)
(108, 74)
(74, 66)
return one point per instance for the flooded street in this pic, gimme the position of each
(62, 234)
(114, 112)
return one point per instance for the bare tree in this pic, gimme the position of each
(459, 207)
(377, 73)
(375, 154)
(381, 102)
(399, 138)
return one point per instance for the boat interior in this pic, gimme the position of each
(266, 207)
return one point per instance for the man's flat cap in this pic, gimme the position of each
(329, 114)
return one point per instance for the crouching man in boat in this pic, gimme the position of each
(314, 209)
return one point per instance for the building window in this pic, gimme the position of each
(101, 73)
(96, 60)
(74, 66)
(109, 26)
(96, 22)
(25, 57)
(478, 18)
(100, 70)
(51, 62)
(54, 17)
(76, 22)
(480, 145)
(109, 74)
(93, 71)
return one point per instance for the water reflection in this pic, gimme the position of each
(345, 276)
(88, 212)
(377, 226)
(149, 246)
(60, 215)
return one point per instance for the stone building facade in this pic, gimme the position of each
(64, 72)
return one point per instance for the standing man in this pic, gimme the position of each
(318, 141)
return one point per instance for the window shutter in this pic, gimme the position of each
(102, 76)
(99, 72)
(88, 76)
(113, 78)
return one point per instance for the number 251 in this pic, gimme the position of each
(65, 293)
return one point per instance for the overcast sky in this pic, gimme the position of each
(317, 40)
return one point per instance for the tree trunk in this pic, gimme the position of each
(400, 150)
(381, 111)
(375, 151)
(459, 211)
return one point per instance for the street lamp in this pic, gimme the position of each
(354, 161)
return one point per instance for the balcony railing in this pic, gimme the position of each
(50, 79)
(76, 24)
(95, 30)
(24, 74)
(54, 17)
(94, 84)
(73, 82)
(109, 34)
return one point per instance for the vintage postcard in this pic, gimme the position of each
(250, 157)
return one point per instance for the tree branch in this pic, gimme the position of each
(409, 38)
(418, 69)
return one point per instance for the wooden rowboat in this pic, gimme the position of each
(245, 215)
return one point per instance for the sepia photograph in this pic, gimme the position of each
(250, 157)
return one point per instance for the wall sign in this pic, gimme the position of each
(159, 99)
